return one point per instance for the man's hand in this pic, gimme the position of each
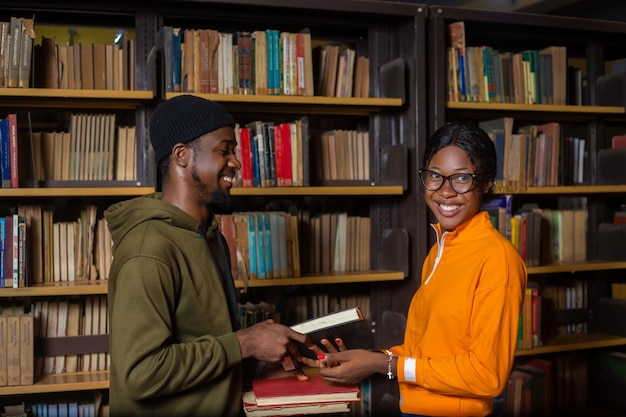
(271, 342)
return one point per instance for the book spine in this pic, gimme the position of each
(13, 349)
(27, 349)
(285, 137)
(246, 157)
(267, 246)
(13, 151)
(5, 147)
(3, 350)
(252, 246)
(254, 155)
(4, 52)
(15, 259)
(176, 59)
(13, 73)
(278, 155)
(26, 53)
(2, 251)
(260, 245)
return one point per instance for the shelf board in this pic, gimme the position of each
(569, 342)
(565, 189)
(76, 192)
(576, 267)
(326, 190)
(65, 98)
(462, 105)
(58, 289)
(79, 381)
(332, 278)
(300, 104)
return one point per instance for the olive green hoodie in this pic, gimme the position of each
(173, 350)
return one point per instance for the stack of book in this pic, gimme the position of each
(289, 396)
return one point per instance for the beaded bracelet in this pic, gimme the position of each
(389, 359)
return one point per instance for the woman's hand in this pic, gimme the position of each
(351, 366)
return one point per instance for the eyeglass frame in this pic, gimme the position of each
(448, 178)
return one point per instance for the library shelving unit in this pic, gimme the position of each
(380, 30)
(589, 44)
(50, 110)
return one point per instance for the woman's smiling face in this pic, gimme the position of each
(449, 207)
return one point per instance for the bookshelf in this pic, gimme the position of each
(51, 109)
(589, 44)
(382, 31)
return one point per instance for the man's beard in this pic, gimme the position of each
(220, 202)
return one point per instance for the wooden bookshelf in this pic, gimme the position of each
(96, 287)
(330, 190)
(68, 98)
(577, 341)
(333, 278)
(543, 108)
(59, 383)
(83, 191)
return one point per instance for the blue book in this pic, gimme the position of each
(462, 87)
(254, 154)
(252, 246)
(267, 245)
(5, 153)
(260, 246)
(176, 59)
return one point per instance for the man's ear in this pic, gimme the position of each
(180, 154)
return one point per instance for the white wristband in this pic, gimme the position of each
(389, 359)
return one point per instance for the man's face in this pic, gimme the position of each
(213, 167)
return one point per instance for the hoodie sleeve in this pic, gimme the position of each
(144, 335)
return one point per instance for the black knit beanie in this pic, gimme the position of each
(182, 119)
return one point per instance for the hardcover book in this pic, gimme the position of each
(347, 324)
(289, 390)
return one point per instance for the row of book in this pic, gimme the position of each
(538, 386)
(94, 149)
(35, 249)
(305, 307)
(484, 74)
(342, 155)
(273, 155)
(535, 155)
(86, 66)
(17, 347)
(79, 405)
(59, 319)
(541, 302)
(16, 46)
(543, 235)
(264, 62)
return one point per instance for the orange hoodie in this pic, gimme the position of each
(461, 331)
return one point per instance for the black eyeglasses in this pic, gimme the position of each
(460, 183)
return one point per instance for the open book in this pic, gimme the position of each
(348, 324)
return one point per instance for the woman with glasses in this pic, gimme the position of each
(461, 331)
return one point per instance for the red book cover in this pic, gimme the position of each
(618, 141)
(246, 157)
(15, 179)
(279, 156)
(289, 390)
(287, 168)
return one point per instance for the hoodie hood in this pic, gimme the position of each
(124, 216)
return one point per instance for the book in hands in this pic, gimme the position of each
(347, 324)
(289, 391)
(251, 409)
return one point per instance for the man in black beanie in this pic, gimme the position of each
(175, 343)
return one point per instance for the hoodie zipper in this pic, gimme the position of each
(440, 245)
